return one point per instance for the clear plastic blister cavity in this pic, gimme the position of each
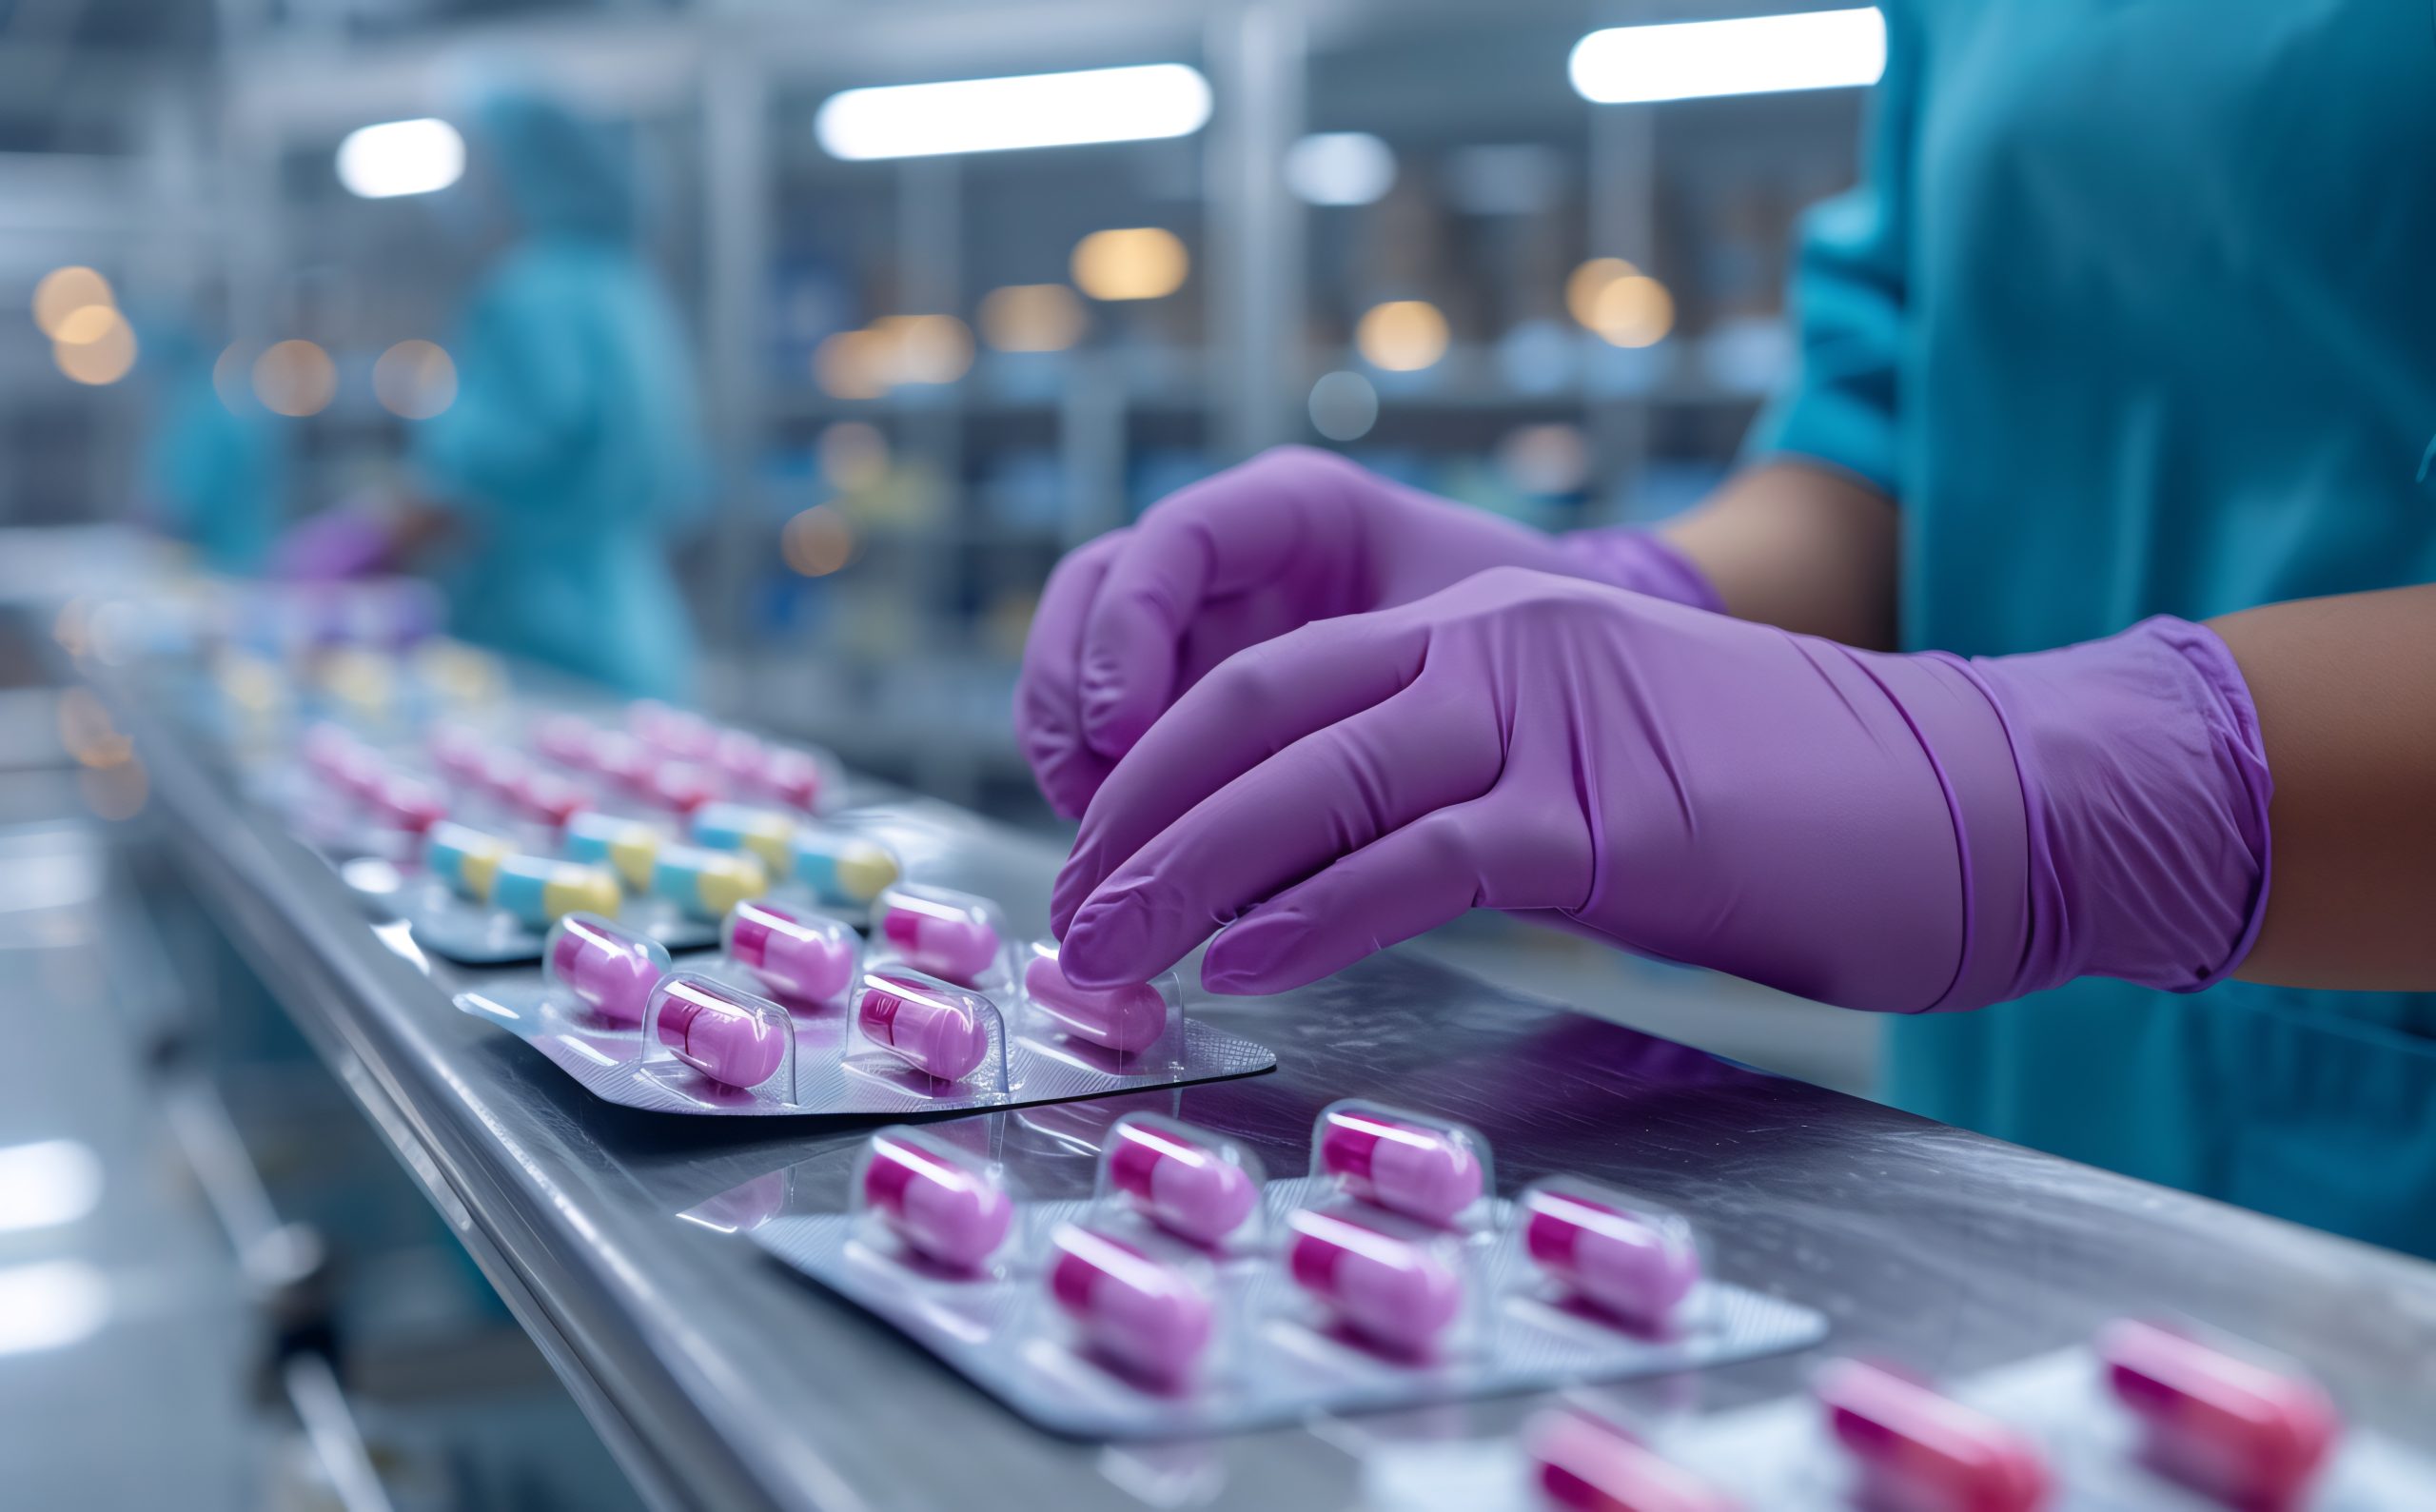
(1116, 1027)
(928, 1205)
(717, 1042)
(1186, 1294)
(917, 1033)
(957, 937)
(608, 969)
(798, 956)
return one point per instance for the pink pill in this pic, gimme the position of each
(930, 1026)
(337, 755)
(1117, 1019)
(740, 756)
(1187, 1189)
(681, 785)
(458, 752)
(547, 797)
(407, 803)
(792, 776)
(1396, 1293)
(2233, 1429)
(671, 731)
(1586, 1467)
(565, 739)
(944, 939)
(1638, 1265)
(609, 969)
(1144, 1315)
(942, 1210)
(724, 1035)
(1421, 1171)
(501, 772)
(800, 957)
(1924, 1452)
(621, 760)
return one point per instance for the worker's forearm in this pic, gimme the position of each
(2346, 690)
(1799, 547)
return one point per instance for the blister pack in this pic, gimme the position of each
(1190, 1295)
(790, 1019)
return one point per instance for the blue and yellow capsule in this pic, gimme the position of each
(742, 827)
(542, 890)
(707, 883)
(628, 846)
(464, 858)
(842, 870)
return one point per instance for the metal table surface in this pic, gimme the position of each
(720, 1379)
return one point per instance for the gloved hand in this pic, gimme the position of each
(1888, 832)
(1136, 618)
(346, 541)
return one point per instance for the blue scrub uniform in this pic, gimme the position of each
(574, 446)
(2134, 313)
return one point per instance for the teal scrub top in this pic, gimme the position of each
(574, 448)
(2134, 313)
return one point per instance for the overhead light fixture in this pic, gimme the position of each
(1814, 49)
(1139, 104)
(401, 157)
(1340, 168)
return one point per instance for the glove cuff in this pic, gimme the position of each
(1643, 562)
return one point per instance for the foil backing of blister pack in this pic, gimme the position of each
(607, 1059)
(1003, 1332)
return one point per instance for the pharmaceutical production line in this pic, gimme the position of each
(718, 1378)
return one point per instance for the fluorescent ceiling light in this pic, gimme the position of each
(55, 1181)
(1816, 49)
(994, 115)
(402, 157)
(51, 1304)
(1340, 168)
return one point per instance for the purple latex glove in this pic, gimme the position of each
(1136, 618)
(1887, 832)
(336, 543)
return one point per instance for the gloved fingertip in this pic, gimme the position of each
(1245, 960)
(1114, 723)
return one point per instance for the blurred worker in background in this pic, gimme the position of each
(216, 468)
(552, 488)
(2094, 353)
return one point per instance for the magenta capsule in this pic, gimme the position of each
(1145, 1315)
(799, 956)
(681, 785)
(458, 752)
(565, 739)
(621, 760)
(340, 758)
(1924, 1452)
(609, 969)
(1120, 1018)
(501, 774)
(930, 1026)
(792, 776)
(943, 1209)
(407, 803)
(671, 731)
(1392, 1291)
(1188, 1188)
(729, 1036)
(1418, 1170)
(546, 797)
(1634, 1263)
(740, 757)
(946, 937)
(1581, 1466)
(2233, 1429)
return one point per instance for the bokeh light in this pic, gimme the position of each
(853, 456)
(1032, 317)
(295, 379)
(851, 365)
(922, 350)
(1344, 406)
(86, 325)
(817, 542)
(65, 290)
(104, 360)
(1134, 262)
(1340, 168)
(1635, 311)
(415, 380)
(1590, 280)
(1401, 335)
(231, 378)
(1548, 461)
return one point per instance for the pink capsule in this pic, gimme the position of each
(1398, 1294)
(1185, 1187)
(621, 760)
(337, 755)
(609, 969)
(2233, 1429)
(458, 752)
(407, 803)
(946, 939)
(1639, 1266)
(1924, 1452)
(1146, 1316)
(725, 1034)
(501, 774)
(681, 785)
(1419, 1170)
(546, 797)
(1120, 1018)
(740, 756)
(802, 956)
(792, 776)
(564, 738)
(943, 1209)
(930, 1026)
(1586, 1466)
(671, 731)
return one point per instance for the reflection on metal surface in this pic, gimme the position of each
(50, 1305)
(51, 1182)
